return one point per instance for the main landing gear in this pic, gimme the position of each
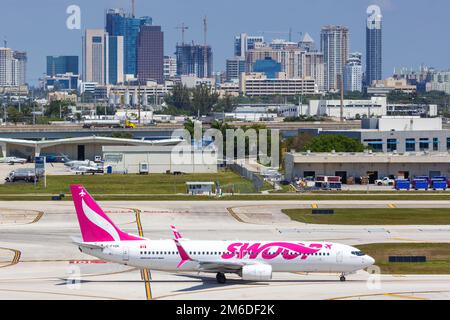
(342, 277)
(220, 277)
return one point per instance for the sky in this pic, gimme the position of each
(414, 32)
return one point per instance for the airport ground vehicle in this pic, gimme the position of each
(419, 183)
(328, 182)
(386, 181)
(101, 124)
(251, 260)
(402, 184)
(23, 174)
(439, 183)
(130, 125)
(13, 160)
(54, 158)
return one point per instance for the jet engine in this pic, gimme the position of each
(257, 272)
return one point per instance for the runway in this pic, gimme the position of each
(38, 260)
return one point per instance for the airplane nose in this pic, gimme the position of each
(369, 260)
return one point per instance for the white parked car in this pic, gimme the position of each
(13, 160)
(385, 182)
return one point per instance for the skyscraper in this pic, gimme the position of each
(373, 44)
(96, 56)
(120, 24)
(116, 59)
(234, 67)
(13, 67)
(268, 66)
(313, 67)
(61, 65)
(150, 54)
(290, 58)
(20, 70)
(6, 67)
(334, 42)
(353, 73)
(191, 60)
(244, 42)
(307, 43)
(170, 67)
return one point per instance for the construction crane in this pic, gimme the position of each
(205, 48)
(289, 33)
(183, 28)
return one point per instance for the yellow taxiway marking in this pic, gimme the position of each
(234, 215)
(401, 296)
(409, 240)
(392, 206)
(38, 217)
(145, 273)
(148, 288)
(314, 206)
(15, 259)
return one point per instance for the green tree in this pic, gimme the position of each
(226, 104)
(297, 143)
(339, 143)
(14, 115)
(57, 109)
(179, 98)
(203, 99)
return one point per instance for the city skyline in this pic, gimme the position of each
(347, 13)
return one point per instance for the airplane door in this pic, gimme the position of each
(126, 254)
(339, 257)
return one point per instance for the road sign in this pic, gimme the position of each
(39, 169)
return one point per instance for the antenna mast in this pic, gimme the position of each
(133, 7)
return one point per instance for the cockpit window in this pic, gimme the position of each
(358, 253)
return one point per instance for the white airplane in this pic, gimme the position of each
(78, 163)
(90, 169)
(251, 260)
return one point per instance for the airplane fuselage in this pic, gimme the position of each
(280, 255)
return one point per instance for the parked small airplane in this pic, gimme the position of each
(251, 260)
(78, 163)
(89, 169)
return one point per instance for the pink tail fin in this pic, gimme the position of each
(95, 225)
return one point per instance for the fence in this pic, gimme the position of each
(257, 180)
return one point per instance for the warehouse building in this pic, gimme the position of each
(160, 159)
(79, 148)
(374, 165)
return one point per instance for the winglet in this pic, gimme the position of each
(176, 234)
(183, 254)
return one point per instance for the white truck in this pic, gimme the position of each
(386, 181)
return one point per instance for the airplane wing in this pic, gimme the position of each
(220, 266)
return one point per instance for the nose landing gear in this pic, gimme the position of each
(220, 277)
(342, 278)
